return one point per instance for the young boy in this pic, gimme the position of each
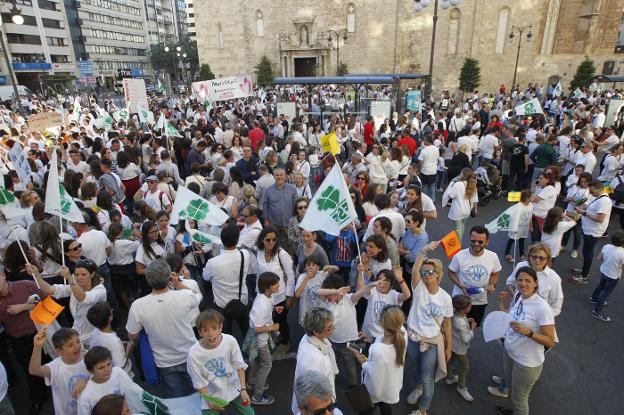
(261, 319)
(611, 266)
(342, 305)
(216, 366)
(109, 380)
(101, 317)
(463, 332)
(66, 374)
(309, 282)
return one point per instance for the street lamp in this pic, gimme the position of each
(18, 19)
(341, 33)
(520, 31)
(420, 5)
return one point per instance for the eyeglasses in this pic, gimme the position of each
(476, 242)
(76, 248)
(302, 207)
(426, 272)
(329, 408)
(539, 258)
(270, 240)
(361, 178)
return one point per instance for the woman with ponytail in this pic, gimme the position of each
(382, 373)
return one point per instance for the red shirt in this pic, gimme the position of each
(411, 144)
(255, 136)
(18, 325)
(369, 133)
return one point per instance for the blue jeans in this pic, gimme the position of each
(589, 243)
(175, 381)
(603, 291)
(422, 367)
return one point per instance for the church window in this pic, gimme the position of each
(259, 23)
(351, 18)
(220, 30)
(453, 37)
(501, 34)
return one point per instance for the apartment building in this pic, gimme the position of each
(190, 20)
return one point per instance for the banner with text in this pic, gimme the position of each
(135, 94)
(223, 89)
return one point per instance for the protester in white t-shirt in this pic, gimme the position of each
(101, 317)
(382, 296)
(309, 282)
(611, 267)
(463, 195)
(428, 160)
(556, 224)
(544, 199)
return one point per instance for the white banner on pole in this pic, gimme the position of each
(223, 89)
(380, 110)
(135, 94)
(20, 163)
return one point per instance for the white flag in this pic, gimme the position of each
(121, 115)
(160, 124)
(558, 91)
(146, 116)
(171, 131)
(57, 201)
(104, 122)
(578, 93)
(203, 237)
(331, 208)
(10, 206)
(189, 205)
(529, 108)
(506, 221)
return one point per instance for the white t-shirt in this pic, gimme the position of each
(525, 213)
(553, 240)
(611, 164)
(224, 272)
(601, 204)
(549, 286)
(380, 373)
(548, 196)
(487, 144)
(533, 313)
(216, 369)
(588, 160)
(118, 384)
(79, 309)
(144, 258)
(63, 378)
(94, 244)
(474, 271)
(167, 320)
(310, 357)
(460, 206)
(576, 193)
(309, 298)
(612, 261)
(345, 319)
(428, 311)
(157, 200)
(429, 156)
(112, 343)
(122, 252)
(261, 315)
(376, 303)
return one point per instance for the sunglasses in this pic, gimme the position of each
(539, 257)
(76, 248)
(475, 242)
(302, 207)
(361, 178)
(270, 240)
(329, 408)
(426, 272)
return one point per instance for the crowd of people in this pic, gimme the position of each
(147, 302)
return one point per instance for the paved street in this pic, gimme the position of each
(580, 375)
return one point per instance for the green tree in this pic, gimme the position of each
(264, 72)
(584, 73)
(470, 75)
(343, 69)
(205, 73)
(169, 60)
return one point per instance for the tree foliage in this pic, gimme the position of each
(169, 61)
(205, 73)
(470, 75)
(264, 72)
(584, 73)
(343, 69)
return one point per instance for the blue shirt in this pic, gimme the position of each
(349, 236)
(414, 243)
(278, 204)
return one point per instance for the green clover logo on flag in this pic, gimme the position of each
(6, 197)
(154, 405)
(124, 113)
(329, 199)
(503, 221)
(198, 237)
(529, 108)
(65, 204)
(197, 209)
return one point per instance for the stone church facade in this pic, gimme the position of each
(388, 37)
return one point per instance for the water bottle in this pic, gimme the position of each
(474, 290)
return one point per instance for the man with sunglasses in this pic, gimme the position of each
(313, 392)
(475, 272)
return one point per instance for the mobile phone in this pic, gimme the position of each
(355, 346)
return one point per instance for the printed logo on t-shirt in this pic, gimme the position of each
(378, 308)
(71, 384)
(217, 367)
(476, 272)
(432, 312)
(517, 314)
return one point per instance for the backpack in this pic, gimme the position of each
(618, 192)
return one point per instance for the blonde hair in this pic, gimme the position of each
(437, 266)
(392, 319)
(540, 246)
(463, 148)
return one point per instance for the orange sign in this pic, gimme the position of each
(451, 244)
(46, 311)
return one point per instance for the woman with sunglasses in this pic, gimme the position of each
(272, 258)
(428, 328)
(73, 253)
(294, 231)
(84, 288)
(361, 182)
(531, 331)
(152, 247)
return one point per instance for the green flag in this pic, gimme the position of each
(171, 131)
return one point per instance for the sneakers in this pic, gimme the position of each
(591, 300)
(412, 398)
(579, 280)
(465, 394)
(602, 317)
(494, 390)
(574, 254)
(264, 399)
(450, 379)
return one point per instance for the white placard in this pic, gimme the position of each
(223, 89)
(379, 110)
(612, 112)
(20, 163)
(135, 94)
(495, 325)
(289, 109)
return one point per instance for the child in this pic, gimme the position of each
(216, 366)
(342, 305)
(573, 178)
(308, 283)
(66, 374)
(315, 167)
(441, 170)
(107, 380)
(612, 257)
(463, 331)
(261, 322)
(101, 317)
(525, 210)
(381, 296)
(555, 225)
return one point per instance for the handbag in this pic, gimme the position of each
(359, 399)
(236, 308)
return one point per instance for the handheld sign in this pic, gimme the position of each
(451, 244)
(513, 196)
(46, 311)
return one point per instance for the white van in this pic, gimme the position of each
(6, 92)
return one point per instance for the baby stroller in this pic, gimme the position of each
(488, 183)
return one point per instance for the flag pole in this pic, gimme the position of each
(357, 244)
(19, 243)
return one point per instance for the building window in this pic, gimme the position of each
(56, 41)
(453, 37)
(59, 59)
(351, 18)
(501, 34)
(259, 23)
(550, 28)
(47, 5)
(28, 20)
(23, 39)
(220, 30)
